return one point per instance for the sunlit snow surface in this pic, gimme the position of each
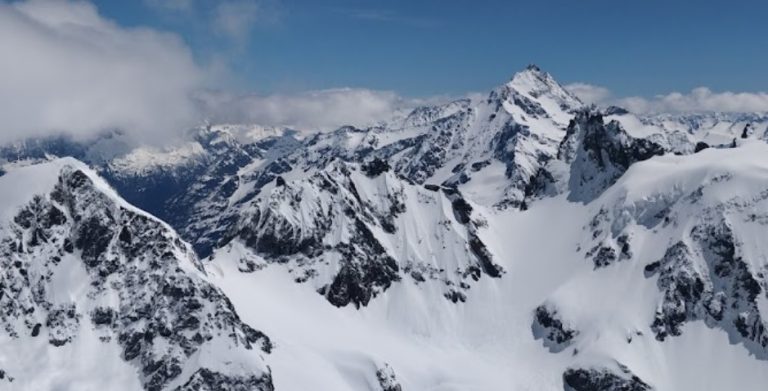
(432, 343)
(544, 243)
(487, 342)
(54, 286)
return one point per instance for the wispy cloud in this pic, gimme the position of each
(234, 20)
(385, 16)
(701, 99)
(589, 93)
(76, 72)
(170, 5)
(321, 110)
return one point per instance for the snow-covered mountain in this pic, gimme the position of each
(521, 240)
(87, 276)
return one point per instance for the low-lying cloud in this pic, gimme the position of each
(700, 99)
(309, 111)
(67, 69)
(589, 93)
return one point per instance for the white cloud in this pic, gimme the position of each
(385, 16)
(311, 111)
(232, 20)
(69, 70)
(65, 68)
(235, 19)
(700, 99)
(170, 5)
(589, 93)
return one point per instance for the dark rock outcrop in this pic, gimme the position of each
(387, 379)
(710, 282)
(599, 153)
(603, 379)
(164, 311)
(549, 327)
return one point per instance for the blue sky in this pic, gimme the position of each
(159, 67)
(422, 48)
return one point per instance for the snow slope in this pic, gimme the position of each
(352, 231)
(86, 275)
(491, 342)
(516, 241)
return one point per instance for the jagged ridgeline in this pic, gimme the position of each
(81, 268)
(516, 240)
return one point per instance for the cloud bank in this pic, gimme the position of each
(65, 68)
(322, 110)
(72, 71)
(700, 99)
(589, 93)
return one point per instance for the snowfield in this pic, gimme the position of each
(519, 241)
(487, 342)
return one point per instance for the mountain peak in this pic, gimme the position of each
(533, 77)
(533, 67)
(537, 85)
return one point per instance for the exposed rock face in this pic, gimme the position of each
(5, 377)
(709, 281)
(603, 379)
(207, 380)
(326, 201)
(146, 289)
(193, 190)
(600, 153)
(700, 146)
(199, 190)
(387, 379)
(434, 149)
(342, 229)
(549, 327)
(706, 272)
(462, 211)
(410, 218)
(375, 167)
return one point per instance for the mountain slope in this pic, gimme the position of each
(599, 300)
(516, 241)
(353, 231)
(85, 273)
